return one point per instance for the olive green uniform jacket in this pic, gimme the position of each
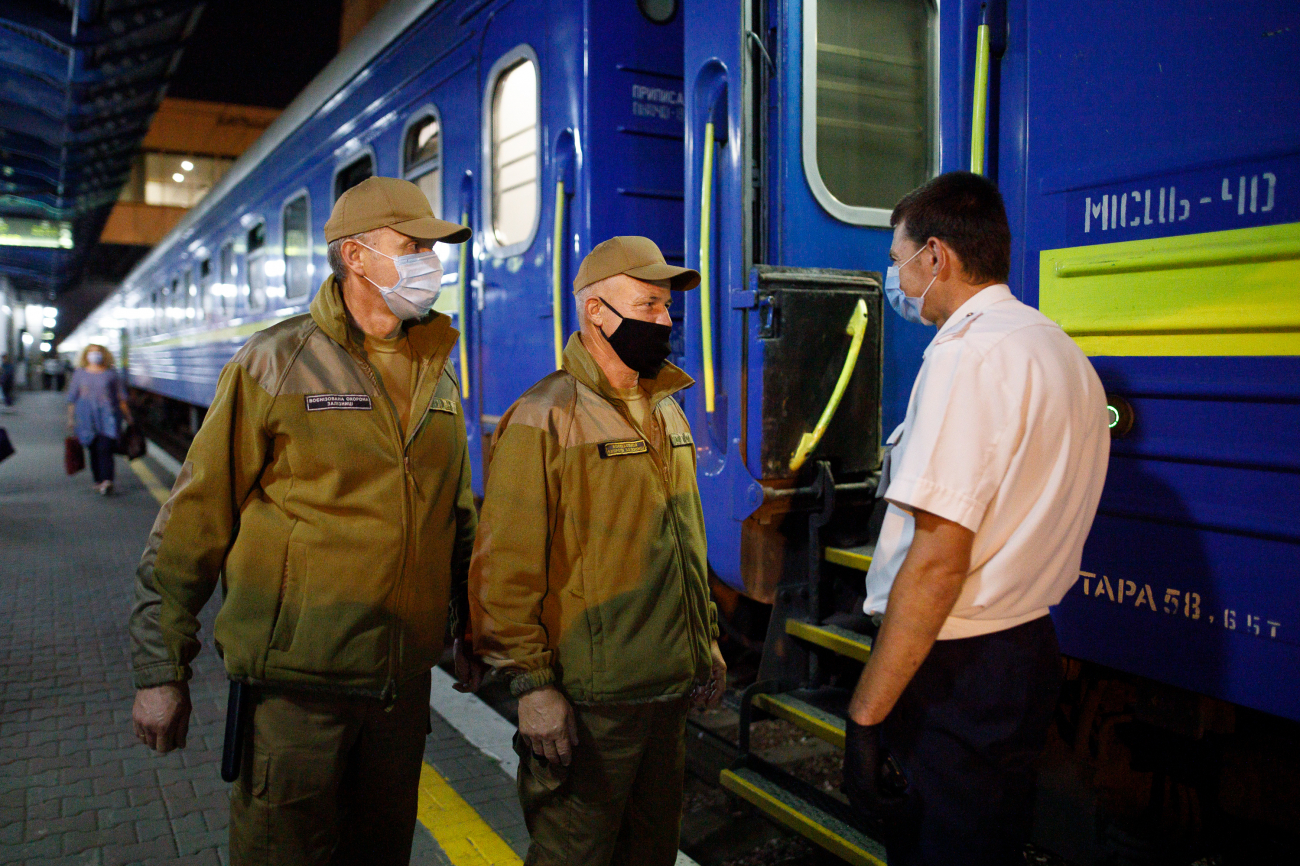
(339, 540)
(589, 567)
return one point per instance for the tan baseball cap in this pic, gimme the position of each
(635, 256)
(379, 202)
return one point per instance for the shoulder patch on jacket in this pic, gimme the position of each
(442, 404)
(680, 439)
(321, 402)
(622, 448)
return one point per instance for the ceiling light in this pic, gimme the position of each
(187, 165)
(178, 177)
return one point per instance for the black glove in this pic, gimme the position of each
(873, 781)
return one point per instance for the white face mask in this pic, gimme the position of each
(95, 358)
(419, 282)
(905, 305)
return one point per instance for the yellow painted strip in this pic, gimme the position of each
(149, 480)
(462, 316)
(706, 269)
(850, 558)
(220, 335)
(800, 823)
(1219, 293)
(462, 834)
(821, 728)
(839, 640)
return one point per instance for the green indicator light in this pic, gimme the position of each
(1114, 416)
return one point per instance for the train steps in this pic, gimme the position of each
(835, 638)
(818, 712)
(851, 557)
(802, 814)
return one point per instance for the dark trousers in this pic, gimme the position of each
(7, 389)
(101, 458)
(968, 731)
(620, 801)
(330, 781)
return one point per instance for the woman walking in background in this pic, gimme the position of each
(96, 396)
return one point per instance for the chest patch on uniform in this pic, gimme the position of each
(622, 448)
(321, 402)
(680, 439)
(443, 404)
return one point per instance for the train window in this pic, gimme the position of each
(256, 267)
(189, 302)
(514, 201)
(870, 103)
(422, 159)
(224, 288)
(297, 247)
(175, 303)
(352, 174)
(206, 297)
(658, 11)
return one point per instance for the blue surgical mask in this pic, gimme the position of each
(905, 305)
(419, 282)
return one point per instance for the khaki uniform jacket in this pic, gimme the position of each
(338, 537)
(589, 568)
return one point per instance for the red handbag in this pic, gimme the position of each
(74, 457)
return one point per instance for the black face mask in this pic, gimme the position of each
(641, 345)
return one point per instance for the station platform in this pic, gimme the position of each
(76, 786)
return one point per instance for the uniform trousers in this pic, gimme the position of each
(620, 800)
(968, 731)
(330, 780)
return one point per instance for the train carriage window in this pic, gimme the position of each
(224, 288)
(422, 159)
(206, 299)
(352, 174)
(514, 203)
(175, 304)
(256, 267)
(154, 309)
(297, 247)
(870, 103)
(189, 300)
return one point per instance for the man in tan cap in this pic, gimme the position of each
(589, 584)
(328, 489)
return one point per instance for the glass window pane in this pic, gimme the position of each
(224, 288)
(430, 183)
(352, 174)
(514, 154)
(874, 128)
(179, 180)
(256, 267)
(422, 142)
(297, 248)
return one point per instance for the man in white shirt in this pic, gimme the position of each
(992, 484)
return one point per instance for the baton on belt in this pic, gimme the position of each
(236, 730)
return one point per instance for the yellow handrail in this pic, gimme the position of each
(979, 111)
(464, 305)
(557, 274)
(706, 292)
(857, 328)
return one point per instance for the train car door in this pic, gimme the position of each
(1163, 222)
(806, 121)
(517, 84)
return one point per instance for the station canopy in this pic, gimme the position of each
(80, 81)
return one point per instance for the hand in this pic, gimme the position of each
(469, 668)
(547, 722)
(710, 694)
(161, 716)
(873, 781)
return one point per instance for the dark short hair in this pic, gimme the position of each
(965, 211)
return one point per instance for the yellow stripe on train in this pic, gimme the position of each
(1232, 292)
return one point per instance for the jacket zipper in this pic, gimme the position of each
(389, 695)
(687, 596)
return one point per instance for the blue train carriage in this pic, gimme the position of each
(1151, 213)
(546, 126)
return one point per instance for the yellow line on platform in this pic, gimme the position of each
(149, 480)
(462, 834)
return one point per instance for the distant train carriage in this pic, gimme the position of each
(1148, 157)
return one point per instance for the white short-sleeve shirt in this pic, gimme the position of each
(1005, 435)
